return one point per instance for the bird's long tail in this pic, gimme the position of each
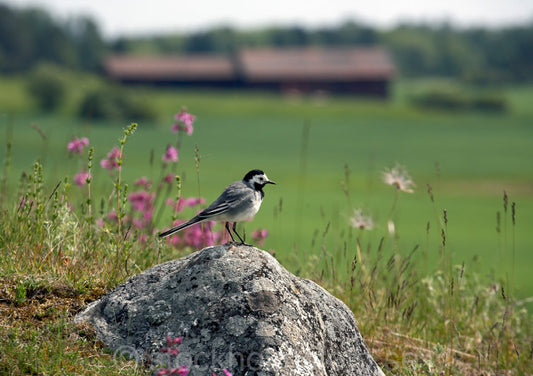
(180, 227)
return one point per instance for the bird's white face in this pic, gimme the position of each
(260, 180)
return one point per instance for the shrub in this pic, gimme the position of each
(46, 86)
(115, 104)
(457, 100)
(441, 99)
(489, 102)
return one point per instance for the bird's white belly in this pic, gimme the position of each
(246, 215)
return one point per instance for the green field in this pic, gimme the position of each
(443, 294)
(469, 159)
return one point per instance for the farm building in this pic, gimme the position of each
(360, 71)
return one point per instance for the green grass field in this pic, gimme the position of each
(468, 159)
(307, 145)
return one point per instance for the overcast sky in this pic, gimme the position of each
(133, 17)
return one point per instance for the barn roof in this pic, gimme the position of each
(316, 64)
(127, 67)
(258, 65)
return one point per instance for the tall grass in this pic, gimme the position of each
(61, 247)
(60, 250)
(446, 321)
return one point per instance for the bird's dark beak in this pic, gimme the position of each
(270, 182)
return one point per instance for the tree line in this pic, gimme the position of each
(480, 55)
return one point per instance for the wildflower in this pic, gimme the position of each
(183, 371)
(201, 234)
(399, 178)
(168, 178)
(76, 145)
(143, 182)
(169, 350)
(175, 240)
(138, 223)
(141, 201)
(361, 221)
(148, 214)
(185, 121)
(193, 201)
(259, 236)
(112, 159)
(185, 202)
(171, 155)
(177, 205)
(174, 341)
(81, 178)
(112, 216)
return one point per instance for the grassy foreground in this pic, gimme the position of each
(437, 292)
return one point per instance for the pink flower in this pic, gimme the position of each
(175, 240)
(182, 371)
(259, 236)
(188, 129)
(185, 202)
(201, 234)
(141, 200)
(81, 178)
(112, 216)
(171, 155)
(185, 117)
(174, 341)
(169, 350)
(138, 223)
(112, 159)
(177, 206)
(76, 145)
(143, 182)
(193, 201)
(169, 178)
(148, 214)
(185, 122)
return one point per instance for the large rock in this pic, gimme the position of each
(236, 308)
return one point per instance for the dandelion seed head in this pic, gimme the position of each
(361, 221)
(399, 178)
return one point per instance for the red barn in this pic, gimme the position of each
(356, 70)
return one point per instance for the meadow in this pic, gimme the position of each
(470, 213)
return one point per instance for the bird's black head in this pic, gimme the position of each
(257, 179)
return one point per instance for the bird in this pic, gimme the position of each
(240, 201)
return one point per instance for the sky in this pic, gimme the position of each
(134, 17)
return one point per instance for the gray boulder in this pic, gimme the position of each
(236, 308)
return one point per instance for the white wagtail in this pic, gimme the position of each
(239, 202)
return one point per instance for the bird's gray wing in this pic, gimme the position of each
(232, 196)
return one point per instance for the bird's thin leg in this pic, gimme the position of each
(236, 233)
(229, 232)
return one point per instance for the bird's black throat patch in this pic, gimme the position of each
(259, 187)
